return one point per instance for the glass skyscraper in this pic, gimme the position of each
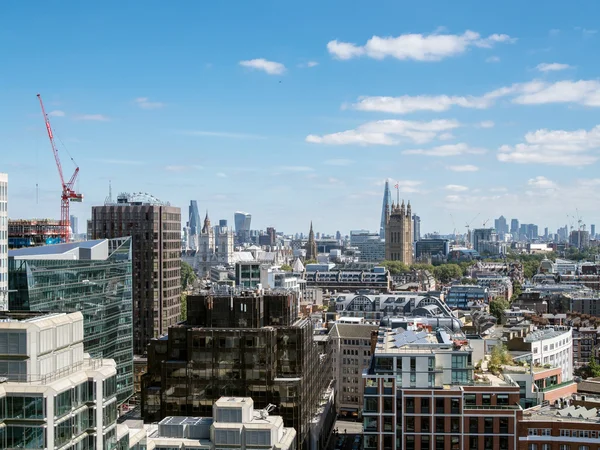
(93, 277)
(387, 201)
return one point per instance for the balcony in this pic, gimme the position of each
(557, 386)
(492, 407)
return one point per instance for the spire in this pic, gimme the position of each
(408, 210)
(206, 226)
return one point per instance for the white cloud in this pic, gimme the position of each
(418, 47)
(552, 67)
(556, 147)
(145, 103)
(463, 168)
(446, 137)
(541, 182)
(492, 59)
(92, 117)
(446, 150)
(338, 162)
(407, 104)
(56, 113)
(487, 124)
(221, 175)
(456, 188)
(308, 64)
(583, 92)
(387, 132)
(270, 67)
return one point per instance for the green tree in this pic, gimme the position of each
(286, 267)
(183, 306)
(497, 307)
(530, 268)
(465, 280)
(447, 272)
(517, 290)
(419, 266)
(188, 276)
(594, 368)
(395, 267)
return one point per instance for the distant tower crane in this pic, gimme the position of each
(68, 190)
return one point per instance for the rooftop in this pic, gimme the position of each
(546, 333)
(568, 414)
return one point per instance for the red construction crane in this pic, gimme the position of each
(68, 191)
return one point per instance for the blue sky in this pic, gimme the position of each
(298, 111)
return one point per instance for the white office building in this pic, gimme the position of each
(3, 242)
(554, 346)
(234, 424)
(52, 394)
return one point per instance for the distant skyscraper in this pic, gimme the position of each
(194, 218)
(3, 241)
(546, 233)
(398, 234)
(387, 200)
(242, 225)
(501, 225)
(74, 225)
(481, 235)
(416, 228)
(223, 223)
(593, 231)
(514, 226)
(311, 245)
(338, 235)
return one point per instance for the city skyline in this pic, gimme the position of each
(510, 129)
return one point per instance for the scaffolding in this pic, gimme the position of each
(33, 232)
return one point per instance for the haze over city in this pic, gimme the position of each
(299, 112)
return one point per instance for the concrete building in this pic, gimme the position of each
(3, 241)
(93, 277)
(377, 278)
(53, 395)
(247, 274)
(497, 286)
(565, 425)
(481, 235)
(155, 229)
(554, 346)
(74, 222)
(579, 239)
(370, 245)
(233, 346)
(421, 392)
(234, 423)
(374, 307)
(193, 226)
(399, 234)
(350, 350)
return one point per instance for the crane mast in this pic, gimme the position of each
(68, 193)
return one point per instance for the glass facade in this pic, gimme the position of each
(99, 288)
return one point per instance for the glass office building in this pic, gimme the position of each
(93, 277)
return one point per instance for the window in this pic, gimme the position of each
(440, 424)
(455, 406)
(546, 432)
(410, 443)
(439, 406)
(388, 405)
(502, 399)
(410, 405)
(486, 399)
(455, 424)
(473, 425)
(470, 399)
(532, 447)
(488, 425)
(410, 424)
(425, 425)
(425, 442)
(425, 405)
(440, 443)
(371, 404)
(504, 425)
(503, 440)
(564, 447)
(584, 447)
(473, 443)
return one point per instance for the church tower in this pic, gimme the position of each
(311, 245)
(399, 234)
